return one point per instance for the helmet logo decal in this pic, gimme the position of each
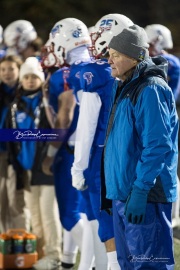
(55, 30)
(88, 77)
(18, 29)
(77, 33)
(159, 32)
(106, 24)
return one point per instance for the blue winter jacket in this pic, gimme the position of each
(141, 146)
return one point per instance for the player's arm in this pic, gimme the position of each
(66, 105)
(87, 122)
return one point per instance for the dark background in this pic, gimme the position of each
(45, 13)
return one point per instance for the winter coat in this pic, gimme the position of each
(141, 143)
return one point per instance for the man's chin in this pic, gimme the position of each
(114, 73)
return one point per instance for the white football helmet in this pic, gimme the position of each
(68, 34)
(18, 34)
(159, 36)
(107, 27)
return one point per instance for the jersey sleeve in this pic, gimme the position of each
(173, 73)
(57, 84)
(86, 127)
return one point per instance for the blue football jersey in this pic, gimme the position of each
(74, 78)
(173, 73)
(58, 83)
(96, 77)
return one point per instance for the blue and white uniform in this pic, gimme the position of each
(75, 80)
(96, 82)
(68, 198)
(173, 73)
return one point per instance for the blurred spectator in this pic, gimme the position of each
(160, 40)
(21, 38)
(33, 49)
(27, 112)
(12, 205)
(2, 51)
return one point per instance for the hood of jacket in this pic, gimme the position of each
(154, 65)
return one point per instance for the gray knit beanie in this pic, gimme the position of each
(132, 41)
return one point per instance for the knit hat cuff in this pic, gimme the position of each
(134, 51)
(132, 42)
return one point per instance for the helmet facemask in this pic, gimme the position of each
(92, 49)
(48, 56)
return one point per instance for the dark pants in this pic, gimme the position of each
(148, 246)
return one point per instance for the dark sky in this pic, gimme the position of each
(45, 13)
